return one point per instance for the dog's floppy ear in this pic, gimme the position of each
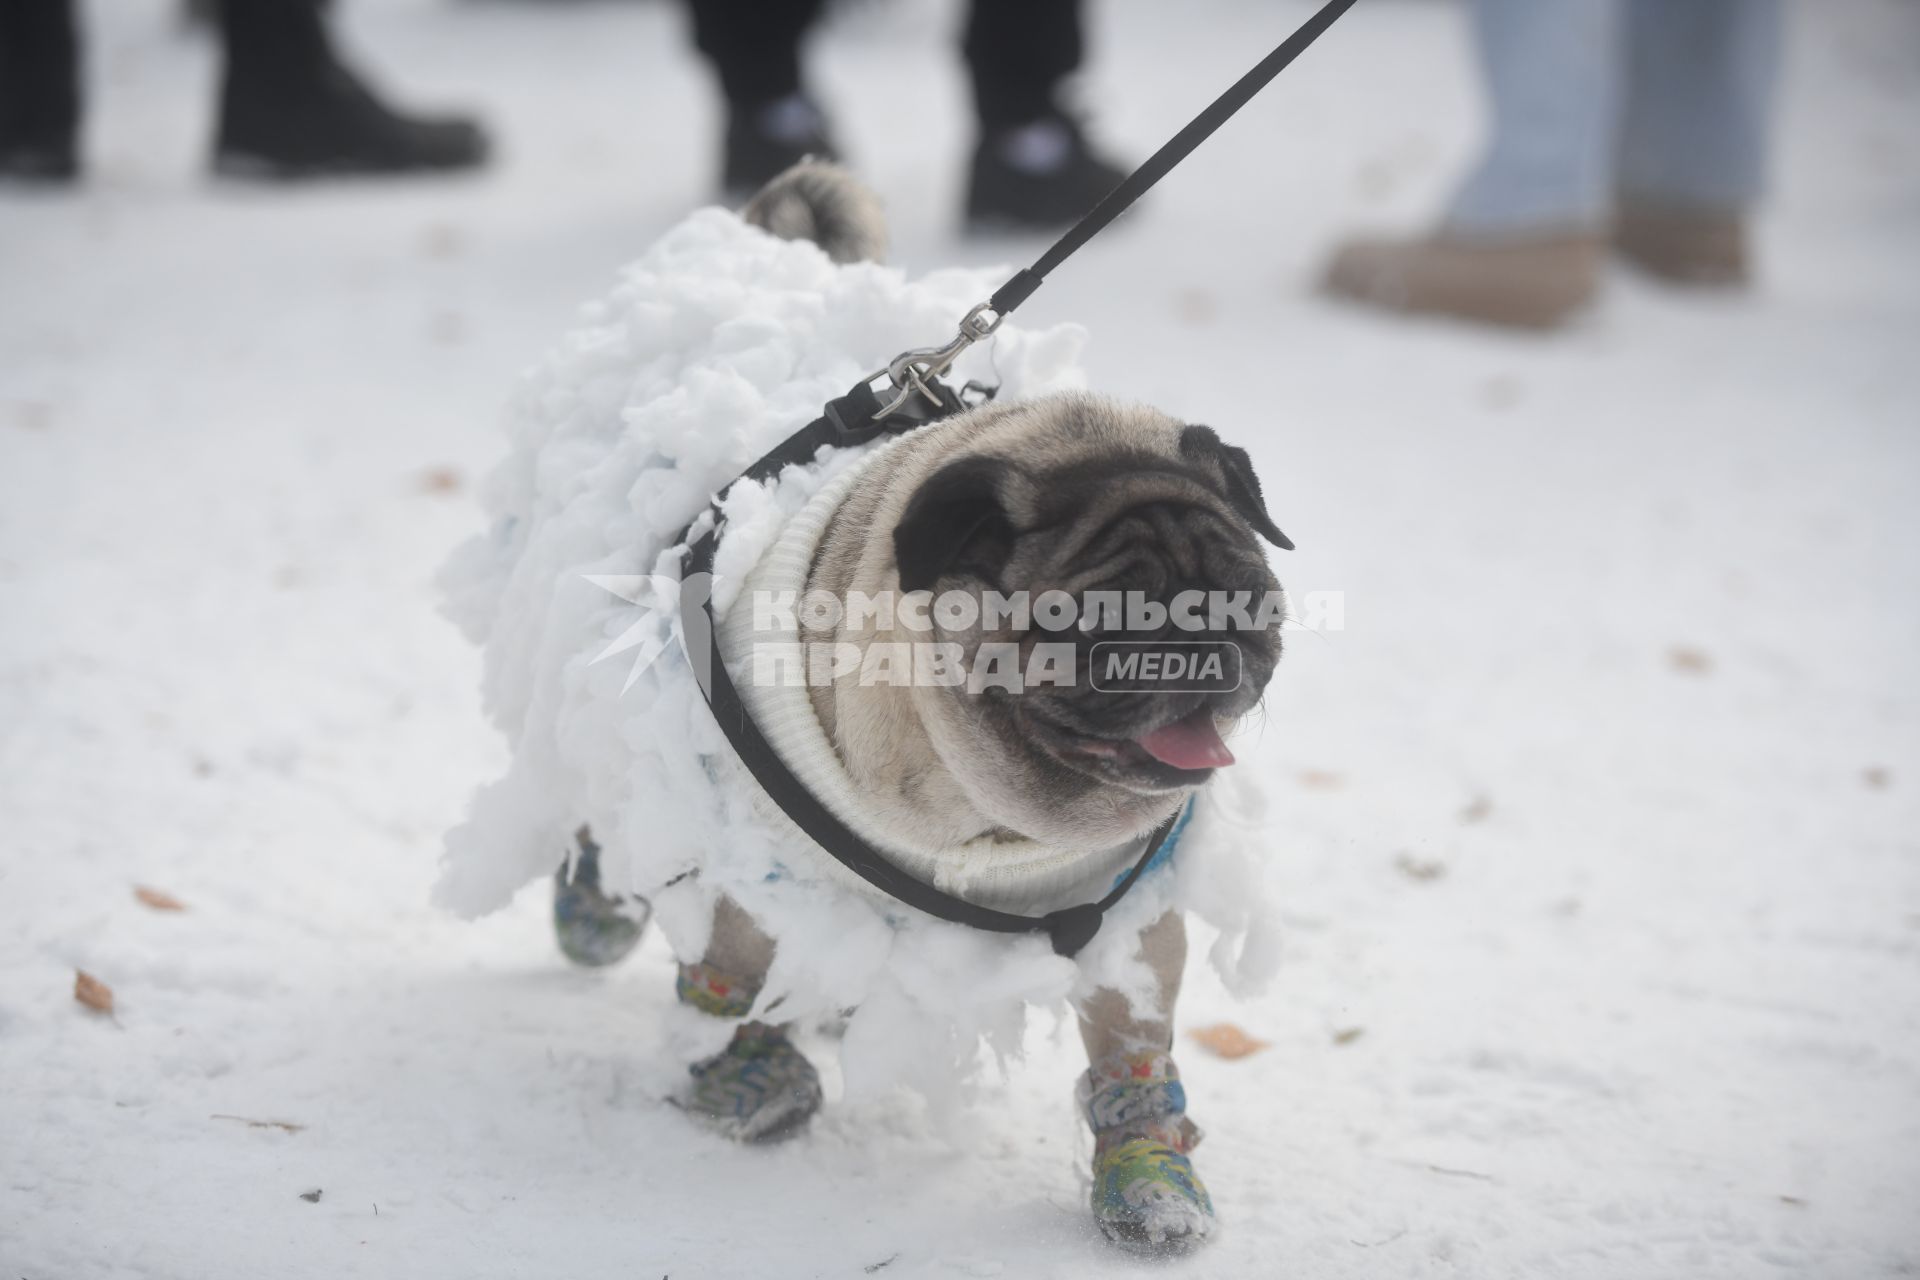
(954, 521)
(1243, 487)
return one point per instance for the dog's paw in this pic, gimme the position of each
(758, 1089)
(594, 929)
(1148, 1199)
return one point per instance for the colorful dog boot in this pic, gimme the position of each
(758, 1089)
(1146, 1196)
(712, 992)
(594, 930)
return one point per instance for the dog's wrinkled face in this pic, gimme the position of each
(1153, 530)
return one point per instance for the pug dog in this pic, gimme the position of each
(1021, 795)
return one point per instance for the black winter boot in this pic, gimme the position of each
(290, 109)
(767, 139)
(1037, 176)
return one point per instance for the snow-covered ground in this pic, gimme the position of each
(1595, 822)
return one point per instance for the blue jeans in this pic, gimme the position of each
(1662, 100)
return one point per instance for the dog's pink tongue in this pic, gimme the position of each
(1192, 743)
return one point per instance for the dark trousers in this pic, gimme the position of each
(270, 44)
(1017, 51)
(39, 70)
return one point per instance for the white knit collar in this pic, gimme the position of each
(983, 867)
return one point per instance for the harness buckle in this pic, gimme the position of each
(854, 419)
(917, 371)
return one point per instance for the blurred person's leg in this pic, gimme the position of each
(1032, 165)
(39, 90)
(1695, 133)
(1019, 52)
(1521, 244)
(290, 108)
(754, 47)
(1552, 71)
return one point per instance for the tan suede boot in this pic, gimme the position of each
(1535, 282)
(1685, 246)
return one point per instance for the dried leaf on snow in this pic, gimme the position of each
(285, 1126)
(1689, 661)
(1420, 868)
(1224, 1040)
(92, 992)
(157, 899)
(440, 480)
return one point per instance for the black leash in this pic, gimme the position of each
(919, 398)
(910, 372)
(1160, 163)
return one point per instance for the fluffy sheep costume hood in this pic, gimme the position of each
(715, 346)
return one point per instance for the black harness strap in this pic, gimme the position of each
(861, 416)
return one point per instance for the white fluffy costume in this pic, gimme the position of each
(715, 346)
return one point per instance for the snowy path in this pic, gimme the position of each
(1596, 820)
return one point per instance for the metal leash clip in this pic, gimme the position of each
(911, 371)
